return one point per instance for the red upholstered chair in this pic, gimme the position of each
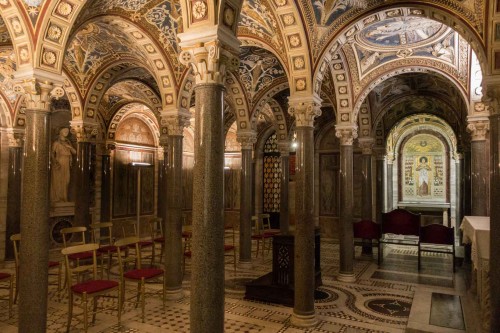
(7, 282)
(102, 234)
(437, 238)
(53, 265)
(366, 229)
(137, 274)
(259, 235)
(83, 283)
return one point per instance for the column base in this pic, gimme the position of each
(174, 295)
(303, 320)
(343, 277)
(245, 264)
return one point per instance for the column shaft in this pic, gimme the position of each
(163, 189)
(285, 175)
(494, 222)
(173, 232)
(161, 203)
(479, 172)
(304, 229)
(459, 195)
(106, 188)
(82, 200)
(379, 190)
(389, 185)
(13, 198)
(246, 183)
(207, 275)
(34, 256)
(346, 214)
(366, 187)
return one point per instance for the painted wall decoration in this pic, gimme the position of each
(423, 171)
(7, 69)
(4, 33)
(326, 11)
(258, 69)
(135, 131)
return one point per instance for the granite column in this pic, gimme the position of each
(346, 134)
(479, 169)
(16, 141)
(379, 191)
(389, 183)
(106, 184)
(162, 184)
(284, 148)
(304, 254)
(173, 231)
(34, 257)
(366, 145)
(247, 140)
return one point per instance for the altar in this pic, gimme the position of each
(476, 232)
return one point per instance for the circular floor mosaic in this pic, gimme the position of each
(390, 307)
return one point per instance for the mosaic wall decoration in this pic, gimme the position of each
(134, 130)
(423, 171)
(272, 175)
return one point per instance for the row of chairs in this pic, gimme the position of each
(262, 232)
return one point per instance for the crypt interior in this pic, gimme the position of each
(189, 124)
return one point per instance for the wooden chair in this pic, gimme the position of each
(266, 225)
(102, 234)
(16, 239)
(137, 274)
(68, 235)
(258, 235)
(130, 229)
(437, 238)
(157, 235)
(9, 280)
(86, 284)
(366, 230)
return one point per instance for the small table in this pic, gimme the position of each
(476, 231)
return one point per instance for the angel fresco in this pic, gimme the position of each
(407, 30)
(327, 8)
(444, 49)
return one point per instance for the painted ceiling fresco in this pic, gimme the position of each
(258, 70)
(4, 33)
(258, 21)
(94, 45)
(7, 69)
(325, 18)
(161, 19)
(124, 90)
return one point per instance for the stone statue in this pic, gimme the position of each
(61, 160)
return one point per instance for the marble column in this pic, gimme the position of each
(459, 194)
(389, 184)
(494, 275)
(346, 134)
(284, 148)
(83, 162)
(173, 231)
(162, 184)
(34, 257)
(366, 145)
(247, 140)
(479, 169)
(106, 184)
(304, 112)
(16, 141)
(379, 191)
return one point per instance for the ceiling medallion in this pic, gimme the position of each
(199, 10)
(33, 3)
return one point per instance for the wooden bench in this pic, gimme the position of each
(399, 227)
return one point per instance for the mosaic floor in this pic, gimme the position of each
(392, 298)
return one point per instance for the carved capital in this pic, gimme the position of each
(346, 134)
(16, 138)
(164, 140)
(85, 132)
(176, 123)
(105, 148)
(246, 139)
(305, 112)
(478, 129)
(37, 94)
(284, 148)
(210, 61)
(366, 145)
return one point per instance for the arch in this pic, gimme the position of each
(5, 113)
(264, 99)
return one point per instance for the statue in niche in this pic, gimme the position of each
(423, 176)
(62, 152)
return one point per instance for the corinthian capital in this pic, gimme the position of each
(304, 110)
(366, 145)
(37, 94)
(15, 137)
(346, 134)
(84, 132)
(210, 61)
(246, 139)
(176, 123)
(478, 129)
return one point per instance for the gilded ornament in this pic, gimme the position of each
(299, 62)
(24, 54)
(199, 10)
(300, 84)
(294, 40)
(344, 103)
(64, 9)
(337, 66)
(54, 33)
(159, 64)
(340, 77)
(16, 25)
(280, 3)
(288, 19)
(342, 90)
(169, 99)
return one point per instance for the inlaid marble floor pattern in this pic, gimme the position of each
(379, 301)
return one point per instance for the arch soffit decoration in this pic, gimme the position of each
(128, 110)
(332, 50)
(402, 70)
(264, 100)
(148, 54)
(238, 101)
(420, 122)
(5, 113)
